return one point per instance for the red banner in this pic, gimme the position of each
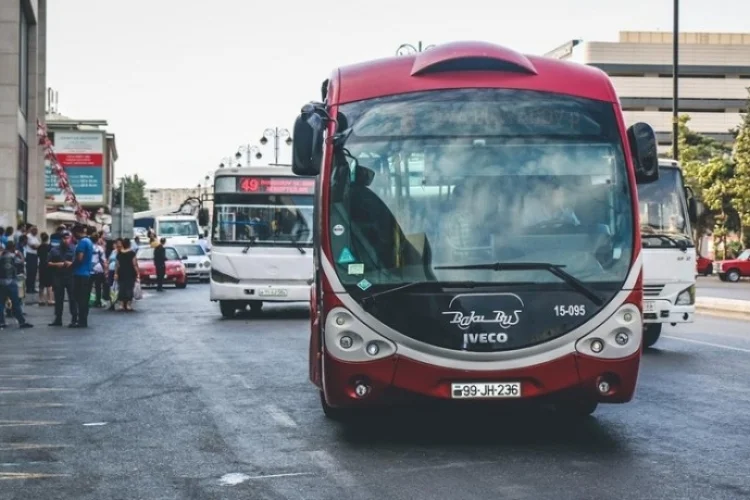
(81, 159)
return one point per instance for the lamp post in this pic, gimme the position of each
(675, 80)
(249, 152)
(407, 49)
(206, 187)
(277, 134)
(226, 162)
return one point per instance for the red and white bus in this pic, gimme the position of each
(476, 231)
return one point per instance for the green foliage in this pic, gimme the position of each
(135, 193)
(740, 185)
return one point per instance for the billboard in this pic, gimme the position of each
(81, 154)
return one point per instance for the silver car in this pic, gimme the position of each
(197, 262)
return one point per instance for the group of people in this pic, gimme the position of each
(68, 263)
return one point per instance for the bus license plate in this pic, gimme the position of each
(272, 292)
(649, 306)
(486, 390)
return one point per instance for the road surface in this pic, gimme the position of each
(171, 402)
(711, 286)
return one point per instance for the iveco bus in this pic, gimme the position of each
(476, 232)
(667, 209)
(261, 237)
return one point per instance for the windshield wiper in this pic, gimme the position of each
(555, 269)
(370, 299)
(679, 243)
(250, 243)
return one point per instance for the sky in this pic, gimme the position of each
(184, 83)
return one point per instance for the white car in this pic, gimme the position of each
(197, 261)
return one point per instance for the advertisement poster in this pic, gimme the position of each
(81, 154)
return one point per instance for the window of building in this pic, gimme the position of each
(23, 179)
(23, 63)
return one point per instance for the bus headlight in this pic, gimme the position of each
(619, 336)
(349, 339)
(686, 297)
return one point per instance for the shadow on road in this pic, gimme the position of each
(493, 426)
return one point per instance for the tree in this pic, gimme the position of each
(135, 193)
(740, 184)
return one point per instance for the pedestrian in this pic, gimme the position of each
(99, 265)
(32, 258)
(82, 274)
(6, 236)
(160, 263)
(135, 244)
(112, 265)
(9, 261)
(60, 262)
(126, 275)
(46, 297)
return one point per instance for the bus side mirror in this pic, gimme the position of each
(307, 143)
(696, 208)
(645, 152)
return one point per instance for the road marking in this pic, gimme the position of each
(327, 462)
(35, 405)
(26, 357)
(32, 377)
(19, 476)
(11, 390)
(280, 416)
(236, 478)
(95, 424)
(710, 344)
(26, 423)
(28, 446)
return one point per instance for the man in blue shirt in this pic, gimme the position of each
(82, 274)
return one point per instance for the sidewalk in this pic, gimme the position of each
(715, 305)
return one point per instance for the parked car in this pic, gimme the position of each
(734, 269)
(198, 263)
(175, 272)
(704, 266)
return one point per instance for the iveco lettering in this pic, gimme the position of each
(476, 233)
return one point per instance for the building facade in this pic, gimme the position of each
(714, 76)
(22, 102)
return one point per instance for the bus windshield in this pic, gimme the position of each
(264, 211)
(663, 210)
(171, 228)
(463, 177)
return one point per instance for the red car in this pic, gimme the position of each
(175, 274)
(734, 269)
(703, 265)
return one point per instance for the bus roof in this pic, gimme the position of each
(467, 65)
(280, 170)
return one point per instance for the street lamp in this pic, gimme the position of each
(248, 150)
(675, 79)
(407, 49)
(227, 162)
(206, 187)
(277, 134)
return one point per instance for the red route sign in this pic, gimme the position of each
(275, 185)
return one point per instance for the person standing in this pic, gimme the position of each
(45, 274)
(82, 274)
(126, 275)
(98, 269)
(9, 285)
(32, 259)
(160, 263)
(112, 265)
(61, 255)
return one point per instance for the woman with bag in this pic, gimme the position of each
(126, 275)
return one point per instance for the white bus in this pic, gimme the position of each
(667, 209)
(261, 237)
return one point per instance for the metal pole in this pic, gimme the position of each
(675, 81)
(276, 145)
(122, 207)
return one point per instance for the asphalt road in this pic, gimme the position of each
(711, 286)
(171, 402)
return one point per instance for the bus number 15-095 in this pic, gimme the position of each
(570, 310)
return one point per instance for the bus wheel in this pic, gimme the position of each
(228, 308)
(256, 306)
(651, 333)
(577, 408)
(337, 414)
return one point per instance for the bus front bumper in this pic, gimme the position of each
(260, 291)
(664, 311)
(398, 378)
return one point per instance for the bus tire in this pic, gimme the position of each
(651, 333)
(577, 408)
(256, 306)
(331, 413)
(227, 308)
(181, 285)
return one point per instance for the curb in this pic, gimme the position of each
(715, 305)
